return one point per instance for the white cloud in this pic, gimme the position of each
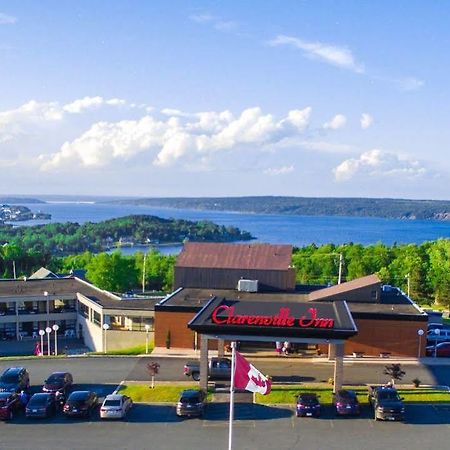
(225, 25)
(410, 83)
(178, 139)
(338, 121)
(378, 163)
(6, 19)
(216, 22)
(16, 121)
(86, 103)
(202, 18)
(275, 171)
(327, 147)
(329, 53)
(366, 121)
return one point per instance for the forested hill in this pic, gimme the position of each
(69, 238)
(309, 206)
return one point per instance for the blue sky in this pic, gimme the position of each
(306, 98)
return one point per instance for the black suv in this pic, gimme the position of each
(191, 403)
(15, 379)
(80, 404)
(58, 381)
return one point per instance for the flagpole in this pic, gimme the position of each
(233, 363)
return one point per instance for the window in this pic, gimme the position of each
(83, 310)
(97, 318)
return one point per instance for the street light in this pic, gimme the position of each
(41, 334)
(55, 329)
(437, 332)
(420, 334)
(105, 327)
(48, 330)
(147, 329)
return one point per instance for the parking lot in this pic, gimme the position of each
(256, 427)
(156, 426)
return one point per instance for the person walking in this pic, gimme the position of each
(23, 398)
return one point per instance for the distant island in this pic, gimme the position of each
(18, 213)
(307, 206)
(70, 238)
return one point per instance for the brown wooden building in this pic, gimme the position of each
(221, 266)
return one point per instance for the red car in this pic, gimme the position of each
(9, 405)
(442, 349)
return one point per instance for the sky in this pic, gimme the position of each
(225, 98)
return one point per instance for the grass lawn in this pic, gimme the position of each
(136, 350)
(289, 394)
(160, 393)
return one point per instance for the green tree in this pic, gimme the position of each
(113, 272)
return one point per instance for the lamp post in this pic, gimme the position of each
(105, 327)
(420, 334)
(41, 334)
(55, 329)
(147, 329)
(437, 332)
(48, 330)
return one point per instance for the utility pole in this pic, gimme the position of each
(14, 269)
(143, 274)
(341, 263)
(408, 283)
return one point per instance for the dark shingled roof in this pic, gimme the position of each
(188, 299)
(235, 256)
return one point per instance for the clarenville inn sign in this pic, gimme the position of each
(266, 320)
(282, 319)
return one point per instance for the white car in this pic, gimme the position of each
(115, 406)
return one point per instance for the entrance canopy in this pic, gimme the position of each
(268, 320)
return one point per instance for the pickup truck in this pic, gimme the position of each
(218, 369)
(386, 403)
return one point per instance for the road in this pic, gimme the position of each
(105, 371)
(256, 427)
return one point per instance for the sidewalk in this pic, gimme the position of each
(162, 352)
(26, 347)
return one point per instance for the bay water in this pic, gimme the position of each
(269, 228)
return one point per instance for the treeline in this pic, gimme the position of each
(425, 267)
(69, 238)
(308, 206)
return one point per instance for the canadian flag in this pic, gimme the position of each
(249, 377)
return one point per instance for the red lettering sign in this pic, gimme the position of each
(282, 319)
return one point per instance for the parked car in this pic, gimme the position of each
(115, 406)
(442, 349)
(41, 405)
(80, 404)
(9, 404)
(386, 403)
(58, 381)
(191, 403)
(307, 405)
(346, 403)
(218, 369)
(437, 335)
(435, 325)
(15, 379)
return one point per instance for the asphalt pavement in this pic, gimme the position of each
(112, 370)
(256, 427)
